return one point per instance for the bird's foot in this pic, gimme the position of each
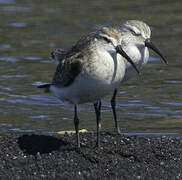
(117, 130)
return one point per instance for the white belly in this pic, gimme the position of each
(96, 80)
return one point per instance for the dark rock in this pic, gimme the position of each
(119, 157)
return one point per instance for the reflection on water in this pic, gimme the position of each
(30, 31)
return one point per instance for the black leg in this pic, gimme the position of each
(76, 123)
(97, 107)
(113, 105)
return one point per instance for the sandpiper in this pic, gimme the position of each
(91, 69)
(135, 41)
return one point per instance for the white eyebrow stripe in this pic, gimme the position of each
(133, 28)
(112, 40)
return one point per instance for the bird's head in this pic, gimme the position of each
(138, 33)
(112, 42)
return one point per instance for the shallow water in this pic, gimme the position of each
(30, 30)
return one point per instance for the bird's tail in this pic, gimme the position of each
(45, 86)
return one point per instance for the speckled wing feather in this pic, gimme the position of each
(66, 72)
(71, 61)
(59, 54)
(71, 65)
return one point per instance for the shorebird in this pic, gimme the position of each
(90, 70)
(135, 41)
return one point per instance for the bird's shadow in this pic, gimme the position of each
(33, 144)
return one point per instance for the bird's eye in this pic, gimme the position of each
(134, 30)
(106, 39)
(135, 33)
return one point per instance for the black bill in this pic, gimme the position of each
(121, 51)
(150, 45)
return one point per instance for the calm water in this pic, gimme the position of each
(31, 29)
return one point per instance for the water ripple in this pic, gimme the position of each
(18, 24)
(5, 125)
(8, 59)
(44, 102)
(13, 95)
(22, 130)
(15, 9)
(32, 58)
(5, 46)
(146, 114)
(152, 107)
(133, 105)
(153, 59)
(174, 82)
(51, 10)
(7, 2)
(40, 117)
(173, 103)
(6, 88)
(14, 76)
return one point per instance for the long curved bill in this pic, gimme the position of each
(150, 45)
(122, 52)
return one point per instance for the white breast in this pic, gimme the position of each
(140, 58)
(97, 79)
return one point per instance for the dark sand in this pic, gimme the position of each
(119, 157)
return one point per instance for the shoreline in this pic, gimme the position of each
(33, 156)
